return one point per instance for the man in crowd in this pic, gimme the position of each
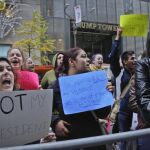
(124, 117)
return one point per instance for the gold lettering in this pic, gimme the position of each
(109, 27)
(94, 25)
(83, 25)
(89, 25)
(114, 28)
(104, 27)
(100, 26)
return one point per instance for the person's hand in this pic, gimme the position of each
(61, 130)
(48, 138)
(119, 32)
(110, 87)
(40, 87)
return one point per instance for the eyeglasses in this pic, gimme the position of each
(2, 68)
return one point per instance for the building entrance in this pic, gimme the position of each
(94, 37)
(94, 43)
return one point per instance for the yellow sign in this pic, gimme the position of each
(134, 24)
(2, 5)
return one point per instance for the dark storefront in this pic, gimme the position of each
(93, 37)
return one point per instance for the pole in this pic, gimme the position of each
(84, 142)
(29, 48)
(74, 26)
(75, 34)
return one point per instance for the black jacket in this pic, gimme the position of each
(115, 65)
(114, 58)
(142, 81)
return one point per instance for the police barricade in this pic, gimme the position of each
(84, 142)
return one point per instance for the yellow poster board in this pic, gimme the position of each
(134, 24)
(2, 5)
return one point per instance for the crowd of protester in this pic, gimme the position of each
(134, 91)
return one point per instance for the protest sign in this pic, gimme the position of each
(85, 92)
(28, 80)
(134, 24)
(24, 116)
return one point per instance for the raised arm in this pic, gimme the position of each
(114, 54)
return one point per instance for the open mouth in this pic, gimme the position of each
(15, 62)
(6, 82)
(88, 65)
(32, 67)
(100, 63)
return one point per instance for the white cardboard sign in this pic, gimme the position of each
(25, 116)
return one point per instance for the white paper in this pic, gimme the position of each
(25, 116)
(134, 121)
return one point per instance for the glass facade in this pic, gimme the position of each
(4, 49)
(100, 16)
(62, 29)
(60, 13)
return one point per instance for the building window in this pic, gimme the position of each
(128, 6)
(3, 50)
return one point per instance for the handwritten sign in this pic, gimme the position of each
(28, 80)
(85, 92)
(134, 25)
(24, 116)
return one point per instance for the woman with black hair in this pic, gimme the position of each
(7, 76)
(8, 83)
(78, 125)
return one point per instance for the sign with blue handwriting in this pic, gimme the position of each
(85, 92)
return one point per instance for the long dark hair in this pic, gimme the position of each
(15, 76)
(58, 53)
(70, 53)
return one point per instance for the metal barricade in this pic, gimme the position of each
(84, 142)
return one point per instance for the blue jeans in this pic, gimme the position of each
(124, 121)
(144, 143)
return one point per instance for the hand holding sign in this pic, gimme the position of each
(85, 92)
(134, 24)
